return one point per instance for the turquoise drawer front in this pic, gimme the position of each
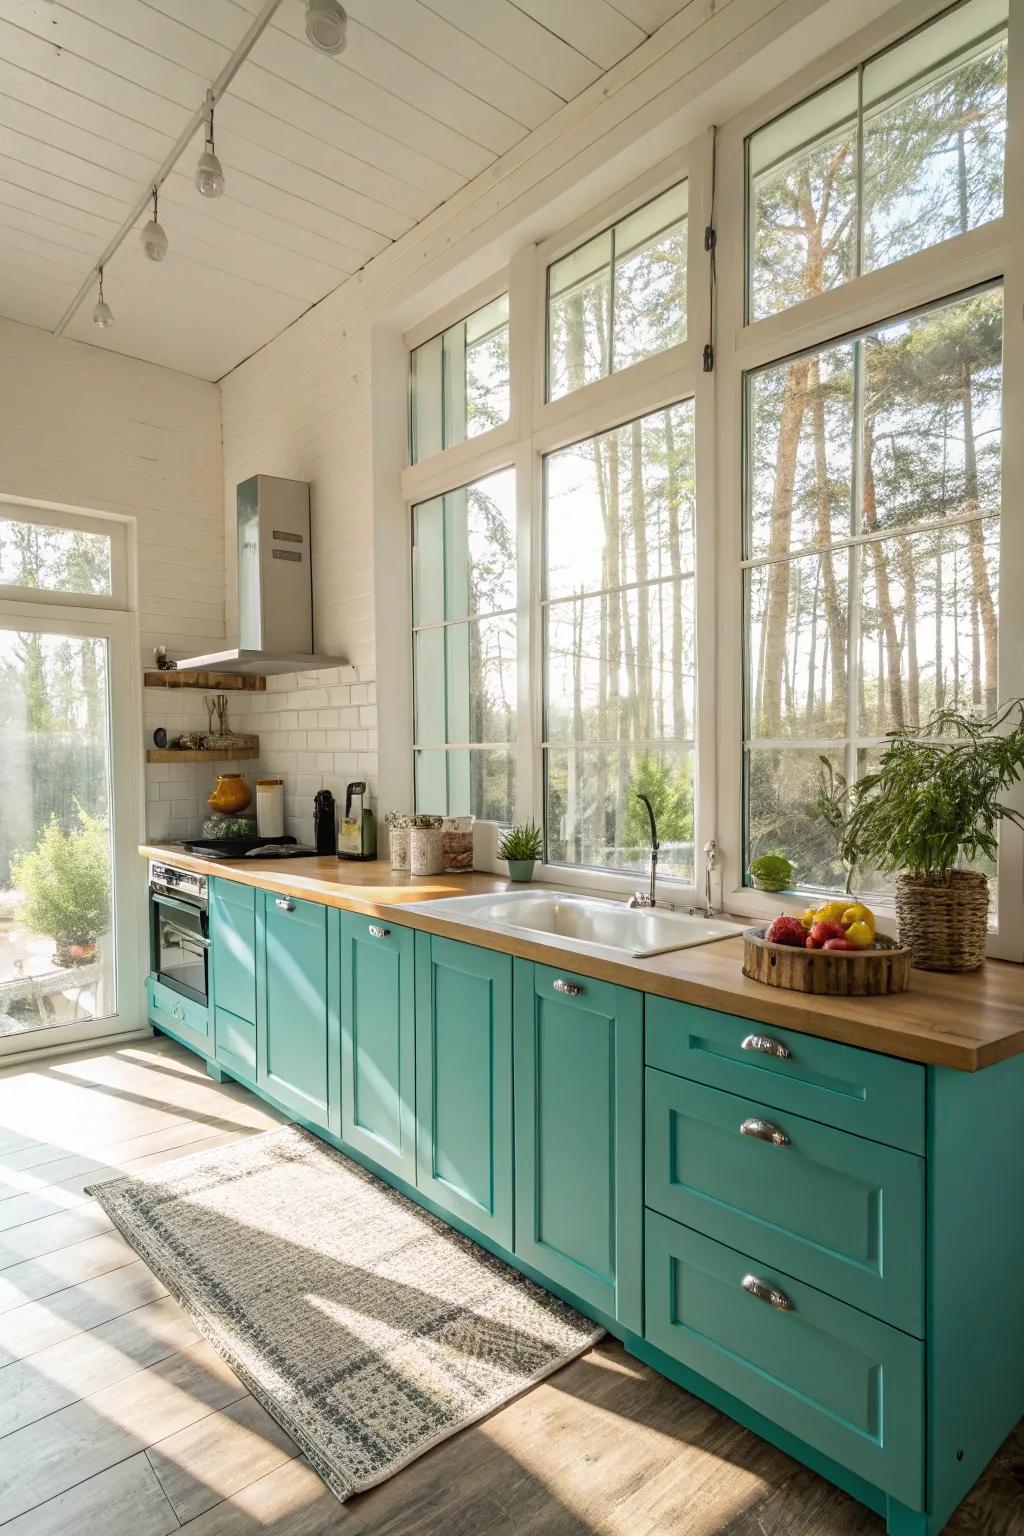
(846, 1384)
(235, 1042)
(844, 1214)
(181, 1016)
(860, 1091)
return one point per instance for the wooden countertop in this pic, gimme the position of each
(966, 1021)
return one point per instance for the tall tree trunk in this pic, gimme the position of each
(834, 616)
(679, 723)
(644, 701)
(908, 570)
(776, 616)
(984, 602)
(897, 714)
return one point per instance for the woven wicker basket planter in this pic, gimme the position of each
(944, 924)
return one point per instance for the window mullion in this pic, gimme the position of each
(853, 627)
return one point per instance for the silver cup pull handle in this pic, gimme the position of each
(284, 903)
(769, 1293)
(567, 988)
(765, 1130)
(767, 1046)
(378, 932)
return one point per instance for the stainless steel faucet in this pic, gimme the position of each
(638, 898)
(710, 863)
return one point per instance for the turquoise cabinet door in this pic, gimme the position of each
(464, 1082)
(578, 1093)
(233, 937)
(297, 1024)
(378, 1043)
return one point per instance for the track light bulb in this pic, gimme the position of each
(154, 236)
(326, 25)
(102, 314)
(209, 174)
(209, 171)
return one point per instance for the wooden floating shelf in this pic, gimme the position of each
(200, 754)
(220, 682)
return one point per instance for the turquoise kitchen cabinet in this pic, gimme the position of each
(233, 973)
(297, 1022)
(464, 1082)
(378, 1041)
(578, 1094)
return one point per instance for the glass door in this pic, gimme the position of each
(67, 962)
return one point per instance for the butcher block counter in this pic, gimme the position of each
(964, 1021)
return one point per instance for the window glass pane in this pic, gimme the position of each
(650, 280)
(619, 298)
(928, 625)
(464, 551)
(782, 784)
(929, 152)
(480, 679)
(579, 306)
(932, 409)
(803, 195)
(592, 815)
(845, 644)
(54, 559)
(933, 151)
(429, 672)
(797, 627)
(619, 508)
(460, 381)
(478, 782)
(620, 666)
(800, 450)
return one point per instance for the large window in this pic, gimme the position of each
(619, 645)
(464, 644)
(619, 298)
(872, 549)
(896, 156)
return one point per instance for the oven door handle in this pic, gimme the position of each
(188, 907)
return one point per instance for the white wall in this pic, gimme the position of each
(86, 429)
(308, 405)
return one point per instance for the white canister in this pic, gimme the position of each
(270, 807)
(426, 851)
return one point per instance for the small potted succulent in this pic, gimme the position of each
(521, 847)
(931, 808)
(771, 872)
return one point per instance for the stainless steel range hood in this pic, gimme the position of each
(275, 584)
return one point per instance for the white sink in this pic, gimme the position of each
(583, 922)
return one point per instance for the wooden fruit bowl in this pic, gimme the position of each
(835, 972)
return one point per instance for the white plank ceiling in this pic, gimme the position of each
(327, 161)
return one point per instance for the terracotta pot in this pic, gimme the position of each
(75, 954)
(230, 795)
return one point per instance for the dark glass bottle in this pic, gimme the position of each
(325, 834)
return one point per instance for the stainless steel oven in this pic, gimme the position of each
(179, 930)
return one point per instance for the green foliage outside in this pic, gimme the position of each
(65, 881)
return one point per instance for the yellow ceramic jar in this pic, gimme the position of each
(230, 795)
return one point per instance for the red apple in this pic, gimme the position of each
(822, 932)
(786, 930)
(838, 944)
(811, 942)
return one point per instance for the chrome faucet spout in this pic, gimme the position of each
(710, 863)
(638, 898)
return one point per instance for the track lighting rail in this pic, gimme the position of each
(259, 25)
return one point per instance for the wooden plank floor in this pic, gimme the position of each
(117, 1419)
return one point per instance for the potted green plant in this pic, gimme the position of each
(65, 886)
(771, 872)
(521, 847)
(933, 806)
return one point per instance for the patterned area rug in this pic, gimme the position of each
(369, 1329)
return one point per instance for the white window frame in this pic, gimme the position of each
(43, 514)
(990, 253)
(537, 427)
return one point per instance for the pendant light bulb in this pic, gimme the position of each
(102, 314)
(209, 171)
(326, 25)
(154, 237)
